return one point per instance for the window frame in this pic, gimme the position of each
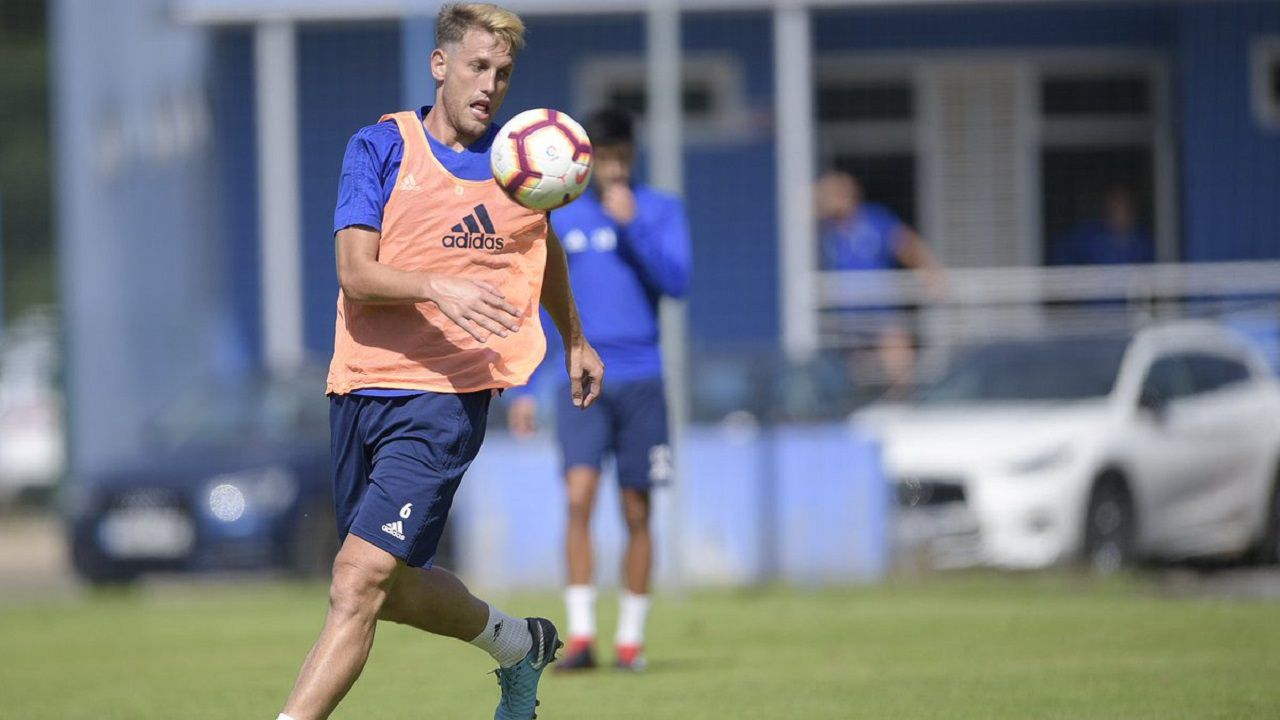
(729, 119)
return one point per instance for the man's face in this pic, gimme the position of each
(474, 75)
(836, 196)
(612, 165)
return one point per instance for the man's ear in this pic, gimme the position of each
(438, 60)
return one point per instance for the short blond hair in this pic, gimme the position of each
(455, 19)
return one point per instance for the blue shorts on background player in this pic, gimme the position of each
(628, 245)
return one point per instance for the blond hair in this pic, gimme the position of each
(455, 19)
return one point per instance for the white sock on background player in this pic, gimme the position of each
(504, 637)
(580, 602)
(282, 716)
(633, 611)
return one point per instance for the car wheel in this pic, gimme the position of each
(98, 571)
(1268, 552)
(1109, 528)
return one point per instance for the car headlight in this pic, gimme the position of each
(265, 491)
(1045, 459)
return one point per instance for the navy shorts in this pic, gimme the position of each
(397, 461)
(629, 421)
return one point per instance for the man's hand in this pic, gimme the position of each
(586, 373)
(522, 417)
(475, 305)
(619, 202)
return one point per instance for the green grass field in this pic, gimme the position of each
(956, 646)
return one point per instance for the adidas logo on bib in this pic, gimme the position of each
(394, 529)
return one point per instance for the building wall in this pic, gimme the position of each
(1229, 167)
(1230, 164)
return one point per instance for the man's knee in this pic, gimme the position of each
(361, 581)
(635, 511)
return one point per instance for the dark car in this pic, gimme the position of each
(238, 479)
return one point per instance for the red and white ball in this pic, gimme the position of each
(542, 159)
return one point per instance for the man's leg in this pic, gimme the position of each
(362, 576)
(633, 607)
(644, 461)
(584, 437)
(638, 561)
(581, 483)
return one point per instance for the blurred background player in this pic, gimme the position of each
(419, 325)
(1116, 237)
(627, 245)
(859, 235)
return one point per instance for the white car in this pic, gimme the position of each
(1162, 444)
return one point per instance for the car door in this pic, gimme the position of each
(1229, 412)
(1172, 452)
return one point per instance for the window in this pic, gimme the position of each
(1266, 81)
(713, 95)
(866, 122)
(1168, 379)
(1212, 372)
(1098, 165)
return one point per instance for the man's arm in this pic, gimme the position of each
(586, 372)
(914, 253)
(475, 306)
(655, 243)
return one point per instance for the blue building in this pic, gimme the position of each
(993, 126)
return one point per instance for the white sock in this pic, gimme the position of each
(580, 601)
(633, 610)
(504, 637)
(282, 716)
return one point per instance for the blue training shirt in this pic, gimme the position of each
(863, 241)
(618, 273)
(370, 167)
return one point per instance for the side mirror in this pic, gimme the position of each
(1154, 402)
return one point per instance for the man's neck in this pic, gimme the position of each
(439, 127)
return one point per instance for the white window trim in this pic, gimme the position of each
(1264, 53)
(729, 119)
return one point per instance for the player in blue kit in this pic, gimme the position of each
(627, 245)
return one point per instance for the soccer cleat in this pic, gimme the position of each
(631, 658)
(519, 682)
(579, 656)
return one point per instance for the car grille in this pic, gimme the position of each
(929, 492)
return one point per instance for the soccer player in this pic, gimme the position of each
(859, 235)
(441, 276)
(627, 246)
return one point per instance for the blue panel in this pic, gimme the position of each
(235, 157)
(1091, 24)
(1230, 165)
(808, 503)
(349, 76)
(832, 505)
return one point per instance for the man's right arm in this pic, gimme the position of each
(476, 306)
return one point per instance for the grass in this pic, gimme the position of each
(956, 646)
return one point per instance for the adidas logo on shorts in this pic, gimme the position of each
(394, 529)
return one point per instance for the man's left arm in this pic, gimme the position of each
(656, 243)
(586, 371)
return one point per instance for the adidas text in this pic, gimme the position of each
(394, 529)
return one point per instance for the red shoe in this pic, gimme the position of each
(578, 656)
(631, 658)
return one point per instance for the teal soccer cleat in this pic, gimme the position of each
(519, 682)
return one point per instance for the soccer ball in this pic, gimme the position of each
(542, 159)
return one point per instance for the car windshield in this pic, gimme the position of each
(254, 412)
(1040, 370)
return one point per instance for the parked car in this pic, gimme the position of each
(1161, 444)
(239, 478)
(31, 428)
